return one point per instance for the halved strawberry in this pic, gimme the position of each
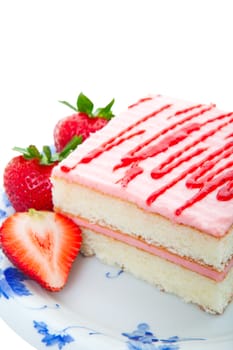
(42, 244)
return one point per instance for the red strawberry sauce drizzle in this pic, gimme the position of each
(133, 155)
(217, 155)
(204, 164)
(186, 110)
(116, 140)
(201, 176)
(130, 174)
(145, 99)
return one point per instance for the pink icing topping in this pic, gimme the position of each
(168, 156)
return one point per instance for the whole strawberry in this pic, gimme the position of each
(26, 177)
(82, 123)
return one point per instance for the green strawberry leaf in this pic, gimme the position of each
(84, 105)
(106, 111)
(74, 142)
(46, 157)
(29, 152)
(69, 105)
(24, 151)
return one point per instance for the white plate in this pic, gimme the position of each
(104, 308)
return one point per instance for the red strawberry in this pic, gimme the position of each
(27, 177)
(42, 244)
(82, 123)
(27, 184)
(96, 124)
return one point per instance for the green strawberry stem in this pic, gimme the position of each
(47, 157)
(85, 105)
(36, 214)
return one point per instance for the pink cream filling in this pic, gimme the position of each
(204, 270)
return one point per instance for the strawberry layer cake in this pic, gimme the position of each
(153, 194)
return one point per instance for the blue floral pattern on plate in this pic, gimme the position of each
(11, 283)
(143, 339)
(114, 275)
(140, 339)
(51, 338)
(59, 338)
(6, 208)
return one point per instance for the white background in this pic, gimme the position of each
(51, 50)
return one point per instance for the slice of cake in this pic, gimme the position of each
(153, 194)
